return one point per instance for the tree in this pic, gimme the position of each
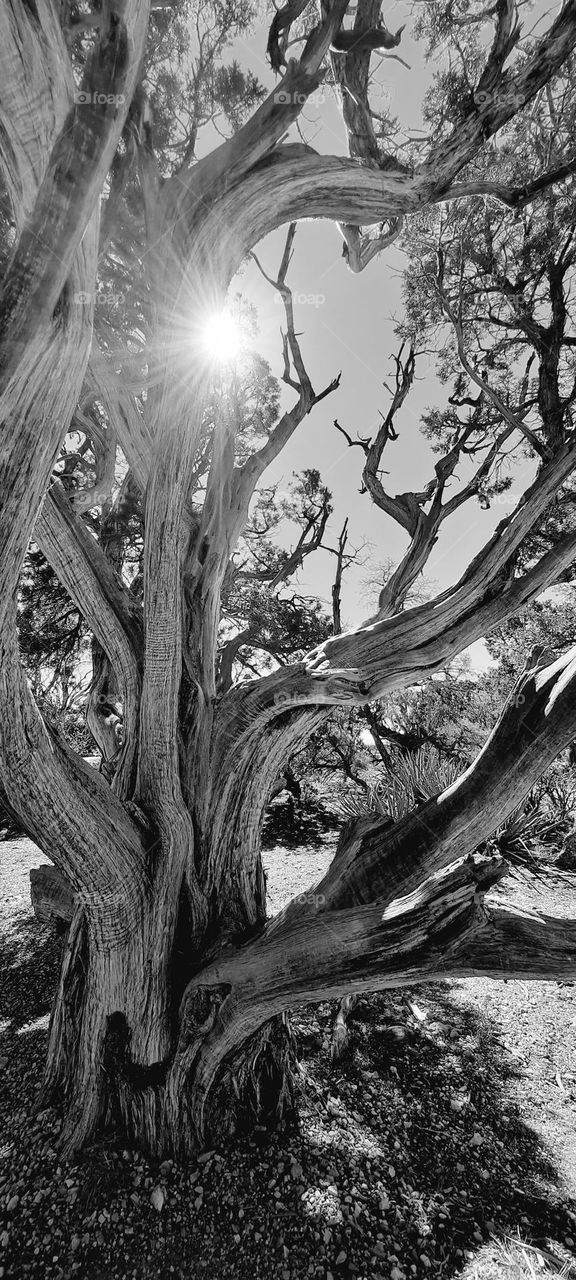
(170, 1016)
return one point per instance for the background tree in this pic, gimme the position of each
(170, 1014)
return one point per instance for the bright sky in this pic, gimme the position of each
(346, 323)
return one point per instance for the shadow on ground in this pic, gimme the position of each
(407, 1157)
(447, 1147)
(293, 825)
(30, 957)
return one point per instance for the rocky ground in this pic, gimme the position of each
(443, 1144)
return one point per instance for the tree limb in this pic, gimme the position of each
(107, 606)
(68, 809)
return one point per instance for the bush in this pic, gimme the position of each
(567, 859)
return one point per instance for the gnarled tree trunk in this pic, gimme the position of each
(170, 1018)
(181, 1037)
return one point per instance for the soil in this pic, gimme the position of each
(442, 1144)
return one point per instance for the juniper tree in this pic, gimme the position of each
(171, 1010)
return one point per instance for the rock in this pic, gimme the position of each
(157, 1198)
(13, 1204)
(476, 1140)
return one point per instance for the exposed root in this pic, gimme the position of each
(257, 1084)
(341, 1031)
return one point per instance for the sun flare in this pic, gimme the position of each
(222, 337)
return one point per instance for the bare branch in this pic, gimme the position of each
(513, 197)
(247, 476)
(538, 721)
(515, 421)
(337, 584)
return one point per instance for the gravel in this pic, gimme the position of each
(411, 1157)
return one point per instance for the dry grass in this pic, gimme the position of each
(516, 1259)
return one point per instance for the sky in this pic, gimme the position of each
(346, 324)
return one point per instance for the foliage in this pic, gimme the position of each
(54, 646)
(408, 782)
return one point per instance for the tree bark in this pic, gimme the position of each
(51, 895)
(170, 1018)
(395, 907)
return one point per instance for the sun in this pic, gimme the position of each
(222, 338)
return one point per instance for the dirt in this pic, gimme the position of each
(443, 1144)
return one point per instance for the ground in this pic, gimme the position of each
(443, 1144)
